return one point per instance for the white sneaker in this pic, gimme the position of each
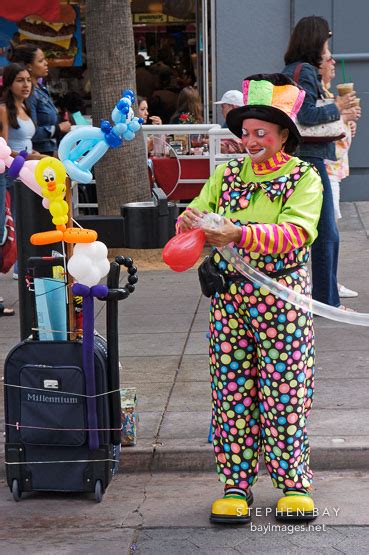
(345, 292)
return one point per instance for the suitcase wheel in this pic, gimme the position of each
(17, 494)
(98, 491)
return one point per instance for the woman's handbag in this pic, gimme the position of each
(323, 132)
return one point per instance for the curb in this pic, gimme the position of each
(160, 458)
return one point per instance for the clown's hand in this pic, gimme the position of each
(189, 219)
(223, 235)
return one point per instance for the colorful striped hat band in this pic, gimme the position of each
(287, 98)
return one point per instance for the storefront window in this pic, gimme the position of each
(168, 36)
(167, 45)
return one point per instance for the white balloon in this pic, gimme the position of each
(88, 249)
(78, 265)
(89, 263)
(103, 267)
(92, 278)
(101, 249)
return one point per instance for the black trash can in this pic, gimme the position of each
(149, 225)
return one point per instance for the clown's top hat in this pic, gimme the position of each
(272, 97)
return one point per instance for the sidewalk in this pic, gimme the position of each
(163, 348)
(168, 513)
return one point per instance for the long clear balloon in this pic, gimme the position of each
(287, 294)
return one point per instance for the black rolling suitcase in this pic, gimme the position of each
(47, 433)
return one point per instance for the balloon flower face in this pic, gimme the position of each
(50, 170)
(50, 187)
(89, 263)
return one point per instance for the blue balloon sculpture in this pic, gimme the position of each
(80, 149)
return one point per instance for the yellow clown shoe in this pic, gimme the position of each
(296, 505)
(233, 508)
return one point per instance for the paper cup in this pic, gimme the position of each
(344, 88)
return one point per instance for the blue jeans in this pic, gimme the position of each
(324, 251)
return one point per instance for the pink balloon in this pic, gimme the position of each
(26, 174)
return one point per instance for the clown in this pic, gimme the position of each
(261, 347)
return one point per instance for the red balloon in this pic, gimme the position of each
(183, 250)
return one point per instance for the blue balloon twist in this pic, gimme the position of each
(80, 149)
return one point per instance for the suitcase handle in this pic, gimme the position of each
(45, 261)
(115, 294)
(131, 270)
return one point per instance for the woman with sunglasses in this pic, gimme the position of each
(307, 49)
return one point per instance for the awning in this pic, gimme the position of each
(49, 10)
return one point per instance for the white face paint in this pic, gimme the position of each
(256, 155)
(261, 139)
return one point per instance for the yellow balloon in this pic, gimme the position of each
(49, 169)
(59, 210)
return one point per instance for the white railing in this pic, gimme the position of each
(77, 205)
(215, 132)
(160, 133)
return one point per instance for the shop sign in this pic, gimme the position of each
(61, 41)
(152, 18)
(157, 18)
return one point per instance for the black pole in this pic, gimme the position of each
(113, 353)
(31, 217)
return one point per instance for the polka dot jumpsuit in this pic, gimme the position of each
(262, 371)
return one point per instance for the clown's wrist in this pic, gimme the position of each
(241, 235)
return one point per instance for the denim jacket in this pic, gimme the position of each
(45, 117)
(309, 114)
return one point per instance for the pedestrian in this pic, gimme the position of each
(153, 142)
(189, 107)
(164, 99)
(143, 112)
(307, 48)
(16, 127)
(230, 100)
(338, 169)
(49, 130)
(261, 347)
(5, 311)
(145, 80)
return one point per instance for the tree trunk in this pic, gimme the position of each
(121, 175)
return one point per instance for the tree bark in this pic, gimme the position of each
(121, 175)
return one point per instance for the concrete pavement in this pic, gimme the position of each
(162, 505)
(167, 513)
(163, 346)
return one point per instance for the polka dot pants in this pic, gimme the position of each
(262, 373)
